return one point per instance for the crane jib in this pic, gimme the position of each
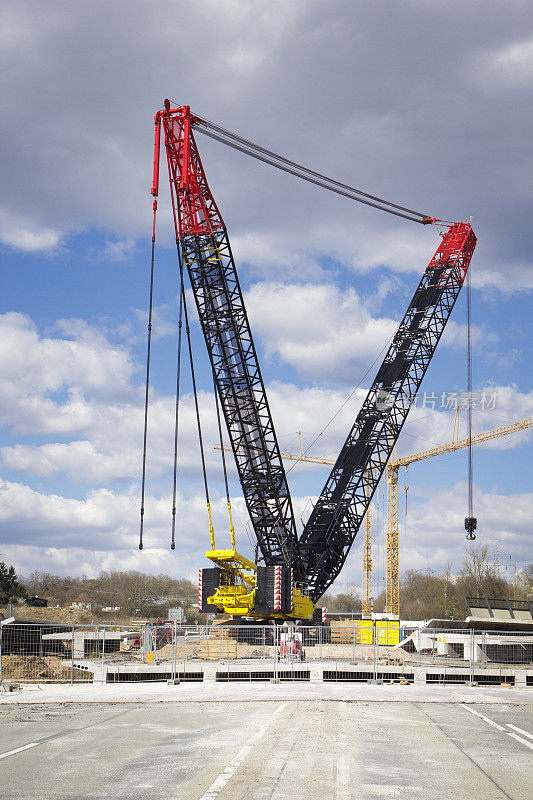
(340, 509)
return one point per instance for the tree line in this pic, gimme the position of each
(423, 594)
(134, 593)
(426, 595)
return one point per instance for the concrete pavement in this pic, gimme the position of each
(302, 750)
(243, 691)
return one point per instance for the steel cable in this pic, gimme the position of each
(197, 408)
(286, 165)
(470, 534)
(145, 434)
(176, 422)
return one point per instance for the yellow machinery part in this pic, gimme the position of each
(238, 598)
(238, 602)
(234, 564)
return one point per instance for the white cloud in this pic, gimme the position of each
(326, 333)
(38, 372)
(317, 328)
(81, 388)
(67, 536)
(26, 235)
(434, 535)
(101, 531)
(84, 390)
(121, 250)
(455, 335)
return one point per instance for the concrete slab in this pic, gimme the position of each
(242, 692)
(308, 750)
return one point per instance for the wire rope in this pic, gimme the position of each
(470, 534)
(260, 153)
(224, 468)
(147, 388)
(176, 421)
(197, 409)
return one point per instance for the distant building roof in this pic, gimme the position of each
(489, 608)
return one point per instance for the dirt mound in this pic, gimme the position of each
(40, 669)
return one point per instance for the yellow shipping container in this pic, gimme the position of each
(387, 631)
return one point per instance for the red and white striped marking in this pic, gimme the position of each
(292, 590)
(324, 612)
(200, 589)
(277, 588)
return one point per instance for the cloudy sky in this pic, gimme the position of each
(426, 103)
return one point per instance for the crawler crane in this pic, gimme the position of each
(290, 572)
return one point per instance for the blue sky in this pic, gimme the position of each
(443, 128)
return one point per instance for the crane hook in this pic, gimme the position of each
(470, 526)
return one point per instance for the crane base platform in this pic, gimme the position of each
(240, 588)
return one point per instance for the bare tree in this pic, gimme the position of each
(479, 576)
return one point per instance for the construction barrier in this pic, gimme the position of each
(355, 649)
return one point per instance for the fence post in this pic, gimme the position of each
(472, 645)
(103, 653)
(72, 659)
(376, 648)
(276, 644)
(1, 632)
(173, 649)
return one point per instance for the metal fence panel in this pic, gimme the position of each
(44, 652)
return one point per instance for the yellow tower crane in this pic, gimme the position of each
(367, 600)
(392, 587)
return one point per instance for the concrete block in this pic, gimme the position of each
(210, 672)
(419, 675)
(520, 678)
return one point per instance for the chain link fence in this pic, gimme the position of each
(46, 652)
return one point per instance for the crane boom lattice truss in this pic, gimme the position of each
(207, 255)
(392, 587)
(340, 509)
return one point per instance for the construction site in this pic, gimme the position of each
(266, 436)
(268, 637)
